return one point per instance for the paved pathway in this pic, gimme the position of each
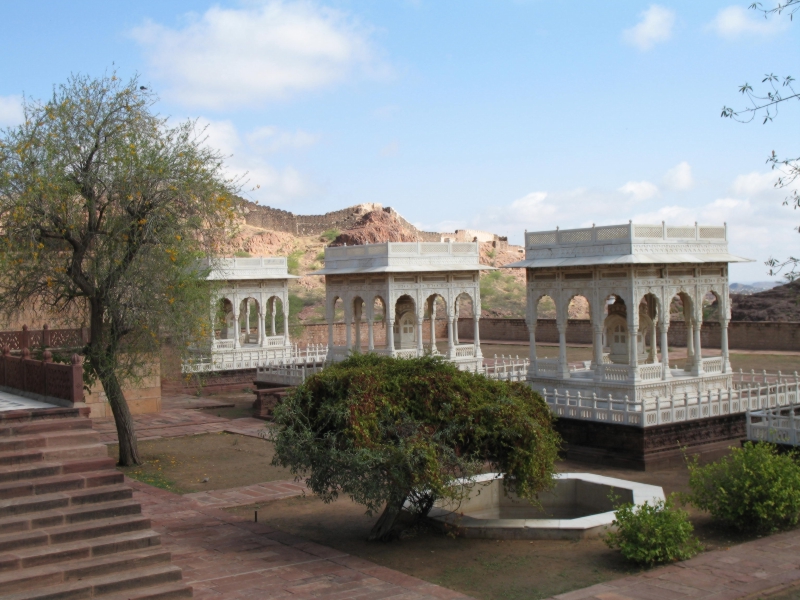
(755, 569)
(223, 556)
(178, 422)
(249, 494)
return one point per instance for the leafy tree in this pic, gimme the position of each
(764, 104)
(106, 209)
(392, 433)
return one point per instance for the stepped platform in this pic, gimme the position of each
(69, 525)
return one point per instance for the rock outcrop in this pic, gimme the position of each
(781, 303)
(376, 226)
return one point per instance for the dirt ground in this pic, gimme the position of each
(181, 464)
(485, 569)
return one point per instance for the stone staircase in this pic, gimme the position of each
(69, 527)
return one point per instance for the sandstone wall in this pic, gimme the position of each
(742, 335)
(143, 396)
(276, 219)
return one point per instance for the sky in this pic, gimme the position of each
(501, 115)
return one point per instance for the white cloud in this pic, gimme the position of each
(390, 149)
(271, 139)
(736, 21)
(679, 177)
(759, 226)
(639, 190)
(243, 57)
(654, 27)
(386, 112)
(754, 184)
(261, 180)
(10, 110)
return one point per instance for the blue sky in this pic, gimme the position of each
(501, 115)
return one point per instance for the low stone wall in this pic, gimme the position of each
(143, 396)
(318, 333)
(742, 335)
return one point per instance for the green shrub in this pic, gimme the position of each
(320, 257)
(752, 489)
(241, 254)
(387, 431)
(330, 235)
(293, 262)
(651, 534)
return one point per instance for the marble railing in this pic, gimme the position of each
(775, 425)
(253, 357)
(675, 408)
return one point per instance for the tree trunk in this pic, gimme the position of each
(103, 359)
(384, 527)
(128, 446)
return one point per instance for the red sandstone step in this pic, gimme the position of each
(28, 504)
(47, 454)
(43, 426)
(100, 546)
(73, 532)
(160, 592)
(48, 575)
(104, 585)
(69, 515)
(50, 469)
(60, 483)
(52, 439)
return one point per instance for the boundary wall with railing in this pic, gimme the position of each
(42, 378)
(774, 390)
(44, 338)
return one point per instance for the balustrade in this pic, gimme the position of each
(253, 357)
(464, 351)
(678, 407)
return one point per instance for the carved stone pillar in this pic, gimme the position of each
(390, 336)
(237, 329)
(665, 372)
(651, 355)
(477, 336)
(348, 332)
(246, 319)
(455, 330)
(633, 348)
(420, 350)
(563, 365)
(286, 340)
(370, 329)
(723, 342)
(689, 345)
(597, 347)
(357, 314)
(532, 351)
(262, 338)
(433, 325)
(451, 349)
(272, 311)
(698, 351)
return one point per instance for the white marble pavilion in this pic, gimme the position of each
(404, 279)
(630, 275)
(244, 310)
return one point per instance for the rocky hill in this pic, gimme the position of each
(781, 303)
